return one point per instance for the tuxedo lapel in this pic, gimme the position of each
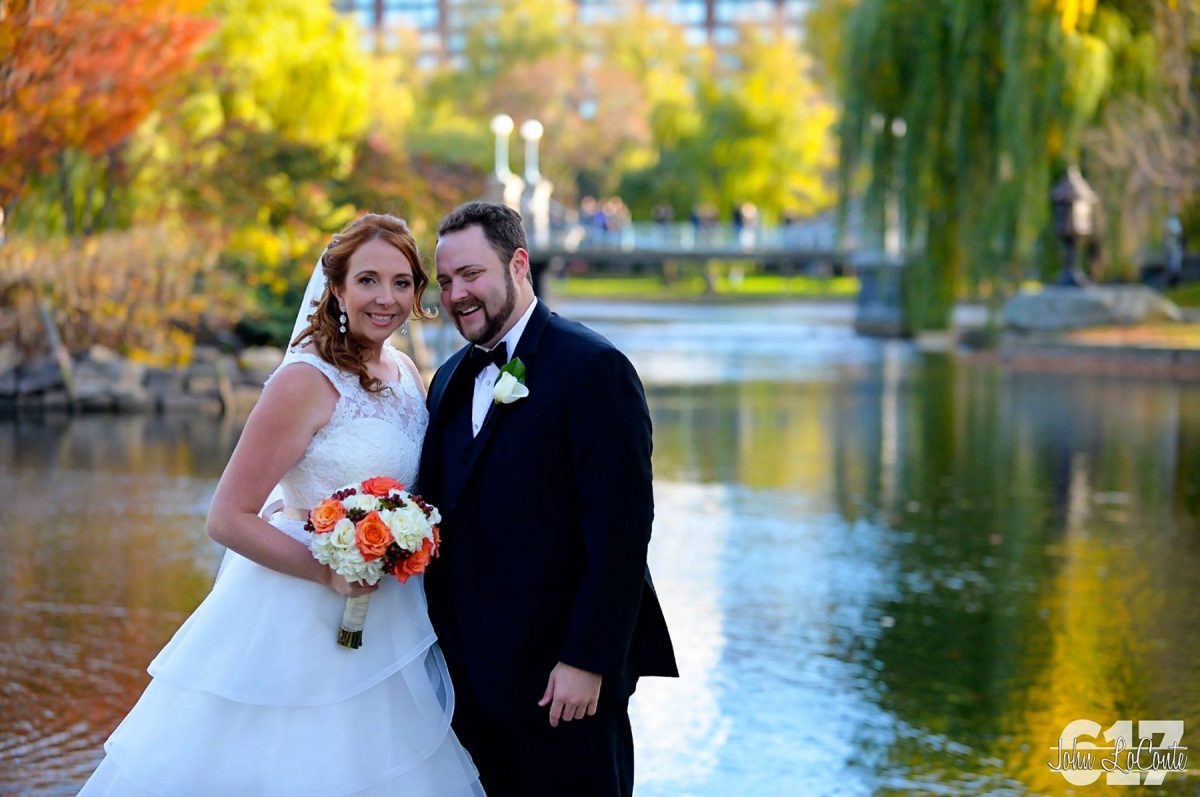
(526, 349)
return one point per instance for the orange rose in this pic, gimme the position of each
(373, 536)
(380, 486)
(413, 565)
(326, 515)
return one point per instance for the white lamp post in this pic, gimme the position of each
(502, 126)
(536, 200)
(532, 132)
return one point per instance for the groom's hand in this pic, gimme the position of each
(571, 693)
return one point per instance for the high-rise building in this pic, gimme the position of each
(439, 24)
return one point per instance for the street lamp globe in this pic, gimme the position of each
(532, 130)
(502, 124)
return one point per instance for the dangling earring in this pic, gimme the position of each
(404, 328)
(342, 321)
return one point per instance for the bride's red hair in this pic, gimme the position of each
(345, 350)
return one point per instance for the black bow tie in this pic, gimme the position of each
(477, 359)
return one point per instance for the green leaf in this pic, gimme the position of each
(516, 368)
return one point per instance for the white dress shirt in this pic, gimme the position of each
(486, 380)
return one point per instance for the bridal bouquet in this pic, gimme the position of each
(366, 530)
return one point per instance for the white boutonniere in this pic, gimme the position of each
(510, 386)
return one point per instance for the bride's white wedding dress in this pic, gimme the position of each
(253, 695)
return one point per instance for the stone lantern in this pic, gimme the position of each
(1073, 202)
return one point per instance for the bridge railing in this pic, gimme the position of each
(809, 236)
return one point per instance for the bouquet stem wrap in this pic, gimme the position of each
(354, 617)
(367, 530)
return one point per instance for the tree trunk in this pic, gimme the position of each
(105, 217)
(938, 275)
(64, 189)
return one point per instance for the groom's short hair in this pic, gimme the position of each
(501, 226)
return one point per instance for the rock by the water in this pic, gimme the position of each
(10, 357)
(104, 380)
(257, 362)
(191, 404)
(38, 376)
(101, 354)
(1058, 308)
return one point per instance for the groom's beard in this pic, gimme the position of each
(492, 323)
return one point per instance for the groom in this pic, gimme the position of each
(541, 599)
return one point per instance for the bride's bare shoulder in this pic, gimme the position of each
(299, 385)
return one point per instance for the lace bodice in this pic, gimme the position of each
(368, 434)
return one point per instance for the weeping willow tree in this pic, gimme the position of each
(1145, 148)
(965, 111)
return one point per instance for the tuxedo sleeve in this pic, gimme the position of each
(424, 478)
(610, 443)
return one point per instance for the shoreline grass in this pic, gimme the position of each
(752, 287)
(1185, 295)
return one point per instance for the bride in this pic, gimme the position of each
(253, 695)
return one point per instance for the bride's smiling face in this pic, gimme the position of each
(378, 292)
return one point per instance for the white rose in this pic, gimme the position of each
(329, 550)
(408, 526)
(367, 503)
(419, 521)
(341, 538)
(508, 389)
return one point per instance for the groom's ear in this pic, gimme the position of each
(520, 265)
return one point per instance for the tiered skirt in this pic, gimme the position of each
(253, 696)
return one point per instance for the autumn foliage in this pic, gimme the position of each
(83, 74)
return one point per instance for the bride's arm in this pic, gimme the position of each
(296, 403)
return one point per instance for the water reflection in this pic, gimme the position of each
(996, 555)
(104, 555)
(885, 573)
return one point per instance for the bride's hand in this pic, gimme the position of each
(349, 588)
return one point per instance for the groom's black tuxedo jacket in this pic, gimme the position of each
(546, 517)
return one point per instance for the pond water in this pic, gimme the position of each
(885, 572)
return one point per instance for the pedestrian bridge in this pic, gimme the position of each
(808, 246)
(816, 246)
